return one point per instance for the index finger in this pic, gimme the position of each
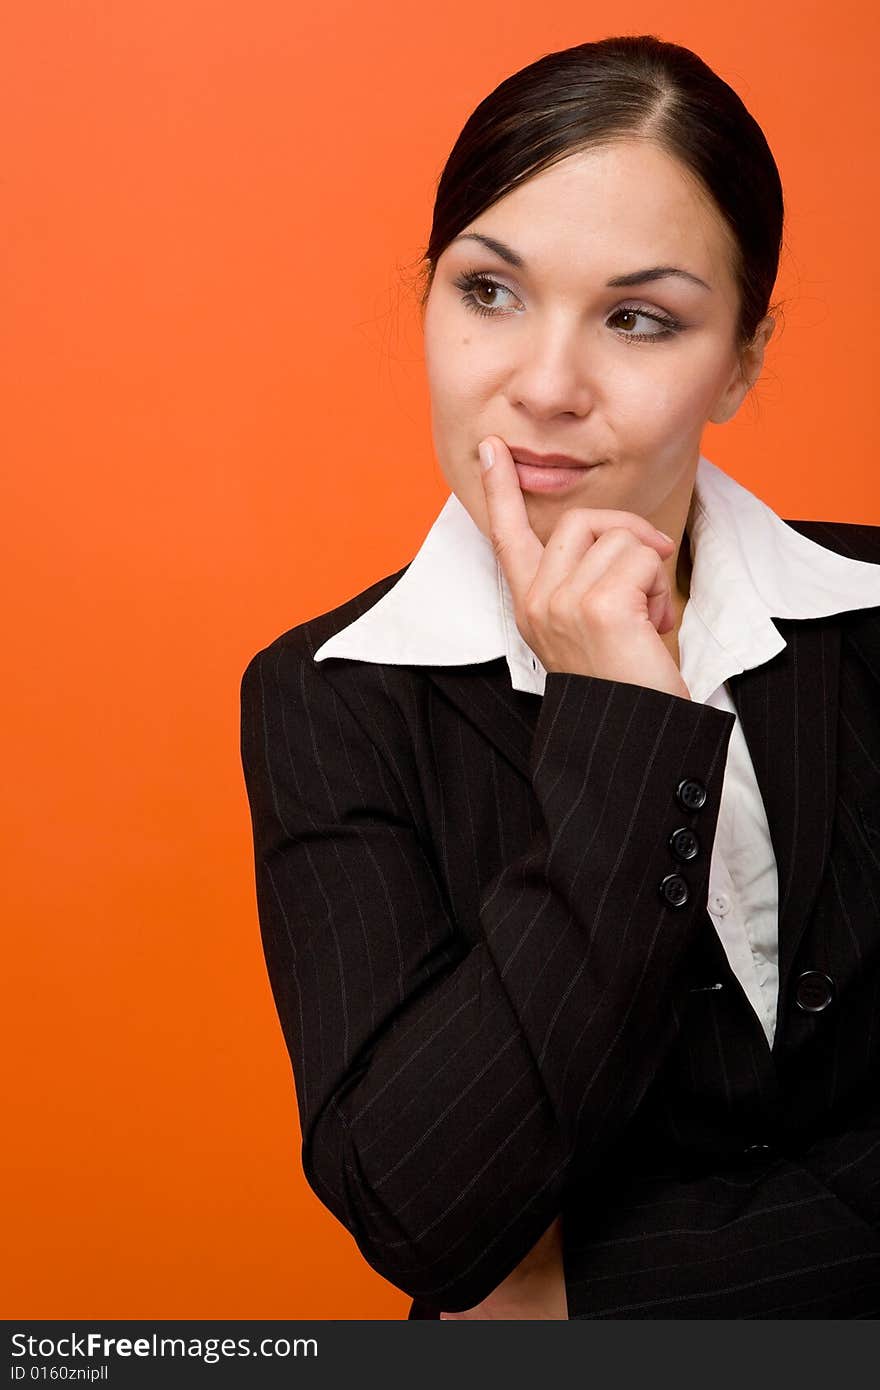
(518, 549)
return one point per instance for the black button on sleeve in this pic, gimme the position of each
(690, 794)
(684, 843)
(674, 890)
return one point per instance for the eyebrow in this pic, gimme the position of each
(635, 277)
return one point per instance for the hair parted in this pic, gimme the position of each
(625, 87)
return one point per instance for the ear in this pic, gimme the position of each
(746, 372)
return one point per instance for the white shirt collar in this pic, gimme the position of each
(452, 606)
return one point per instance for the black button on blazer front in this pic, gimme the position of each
(813, 991)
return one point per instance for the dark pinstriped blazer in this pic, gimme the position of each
(493, 1015)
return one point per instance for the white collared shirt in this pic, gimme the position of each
(748, 566)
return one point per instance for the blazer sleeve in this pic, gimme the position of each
(449, 1092)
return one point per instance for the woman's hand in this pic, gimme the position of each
(535, 1289)
(597, 598)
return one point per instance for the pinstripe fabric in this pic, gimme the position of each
(492, 1014)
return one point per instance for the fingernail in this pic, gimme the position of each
(664, 535)
(487, 457)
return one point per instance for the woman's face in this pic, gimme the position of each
(556, 362)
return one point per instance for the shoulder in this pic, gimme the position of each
(303, 640)
(330, 714)
(284, 671)
(855, 539)
(858, 541)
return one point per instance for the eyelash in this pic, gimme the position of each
(471, 279)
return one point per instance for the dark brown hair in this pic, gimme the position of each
(625, 87)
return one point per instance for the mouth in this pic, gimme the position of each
(549, 460)
(550, 472)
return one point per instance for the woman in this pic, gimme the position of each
(567, 835)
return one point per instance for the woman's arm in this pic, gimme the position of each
(448, 1092)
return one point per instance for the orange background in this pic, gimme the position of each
(215, 426)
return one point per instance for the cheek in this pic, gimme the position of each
(653, 413)
(453, 364)
(458, 384)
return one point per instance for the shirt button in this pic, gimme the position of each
(674, 890)
(684, 844)
(814, 991)
(690, 794)
(720, 903)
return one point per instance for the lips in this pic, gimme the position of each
(548, 460)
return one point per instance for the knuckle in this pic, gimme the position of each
(559, 604)
(574, 521)
(499, 542)
(623, 536)
(600, 606)
(532, 608)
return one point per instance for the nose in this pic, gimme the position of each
(554, 372)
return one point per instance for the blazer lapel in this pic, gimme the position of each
(788, 712)
(485, 696)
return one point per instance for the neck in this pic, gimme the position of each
(683, 570)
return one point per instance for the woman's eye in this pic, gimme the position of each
(477, 289)
(472, 284)
(664, 329)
